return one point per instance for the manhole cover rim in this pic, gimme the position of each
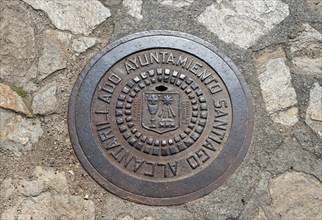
(150, 200)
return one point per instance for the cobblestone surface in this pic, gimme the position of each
(275, 44)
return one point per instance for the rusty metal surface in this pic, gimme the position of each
(160, 118)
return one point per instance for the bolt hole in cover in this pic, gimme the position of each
(160, 118)
(161, 88)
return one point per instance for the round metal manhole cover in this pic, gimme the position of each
(160, 118)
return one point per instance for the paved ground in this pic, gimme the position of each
(275, 44)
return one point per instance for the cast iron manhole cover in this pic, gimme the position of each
(160, 118)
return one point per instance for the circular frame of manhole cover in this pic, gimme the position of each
(160, 118)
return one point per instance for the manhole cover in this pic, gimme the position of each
(160, 118)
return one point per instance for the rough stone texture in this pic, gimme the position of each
(305, 51)
(17, 134)
(54, 54)
(297, 196)
(134, 8)
(275, 149)
(45, 101)
(46, 198)
(287, 117)
(49, 206)
(314, 110)
(46, 179)
(124, 217)
(176, 3)
(291, 157)
(316, 6)
(81, 44)
(112, 2)
(261, 215)
(148, 218)
(79, 17)
(276, 87)
(17, 49)
(243, 22)
(137, 211)
(9, 99)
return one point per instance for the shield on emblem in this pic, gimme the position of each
(160, 111)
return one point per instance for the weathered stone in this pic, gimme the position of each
(223, 206)
(149, 218)
(262, 188)
(81, 44)
(296, 196)
(134, 8)
(9, 99)
(290, 155)
(18, 49)
(46, 197)
(261, 215)
(46, 179)
(17, 134)
(176, 3)
(52, 207)
(305, 50)
(124, 217)
(314, 112)
(45, 101)
(79, 17)
(117, 207)
(54, 55)
(276, 86)
(242, 22)
(316, 6)
(113, 2)
(288, 117)
(7, 188)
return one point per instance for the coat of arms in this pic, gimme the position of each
(160, 111)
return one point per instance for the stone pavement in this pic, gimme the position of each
(276, 44)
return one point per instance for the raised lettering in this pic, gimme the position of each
(134, 61)
(154, 57)
(221, 125)
(127, 159)
(173, 168)
(128, 67)
(105, 135)
(188, 66)
(117, 153)
(112, 144)
(102, 112)
(220, 103)
(220, 113)
(181, 62)
(210, 79)
(114, 79)
(214, 139)
(163, 53)
(204, 75)
(146, 60)
(105, 98)
(164, 168)
(170, 59)
(215, 89)
(195, 67)
(151, 173)
(193, 162)
(209, 145)
(220, 134)
(137, 164)
(103, 125)
(108, 87)
(203, 156)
